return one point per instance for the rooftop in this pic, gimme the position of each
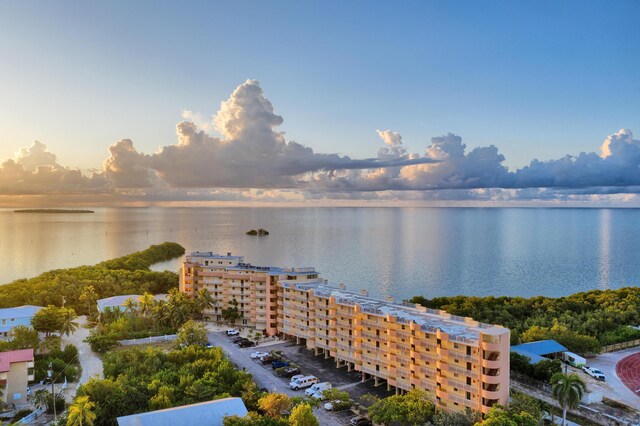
(535, 351)
(120, 300)
(19, 311)
(212, 255)
(458, 328)
(209, 413)
(10, 357)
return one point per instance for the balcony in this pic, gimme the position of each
(490, 394)
(490, 364)
(490, 346)
(459, 385)
(490, 378)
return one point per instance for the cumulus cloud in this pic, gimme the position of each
(251, 159)
(34, 170)
(251, 154)
(126, 167)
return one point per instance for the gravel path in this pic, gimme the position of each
(90, 362)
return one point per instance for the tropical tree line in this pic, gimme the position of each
(140, 380)
(146, 317)
(582, 322)
(278, 409)
(124, 275)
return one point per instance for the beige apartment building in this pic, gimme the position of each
(16, 371)
(462, 362)
(228, 278)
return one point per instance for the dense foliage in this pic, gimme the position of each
(20, 337)
(582, 321)
(413, 408)
(147, 317)
(139, 380)
(542, 371)
(64, 363)
(278, 409)
(124, 275)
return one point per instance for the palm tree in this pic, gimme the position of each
(69, 326)
(81, 412)
(568, 390)
(204, 301)
(146, 304)
(130, 306)
(90, 296)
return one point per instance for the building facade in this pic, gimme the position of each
(16, 371)
(13, 317)
(252, 290)
(462, 362)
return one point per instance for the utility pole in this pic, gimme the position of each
(53, 393)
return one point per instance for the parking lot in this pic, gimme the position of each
(318, 366)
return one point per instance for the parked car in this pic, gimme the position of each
(290, 371)
(279, 364)
(594, 372)
(259, 354)
(303, 382)
(360, 421)
(267, 359)
(246, 344)
(232, 332)
(316, 390)
(238, 339)
(297, 377)
(337, 405)
(209, 345)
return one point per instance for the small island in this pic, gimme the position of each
(52, 211)
(260, 232)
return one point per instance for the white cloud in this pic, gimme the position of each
(253, 160)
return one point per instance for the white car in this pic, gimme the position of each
(232, 332)
(297, 377)
(336, 404)
(259, 354)
(594, 372)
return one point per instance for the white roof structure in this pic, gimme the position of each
(210, 413)
(25, 311)
(117, 301)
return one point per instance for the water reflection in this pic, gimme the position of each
(605, 249)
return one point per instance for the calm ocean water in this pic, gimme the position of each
(389, 251)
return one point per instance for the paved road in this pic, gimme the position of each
(263, 376)
(607, 363)
(90, 362)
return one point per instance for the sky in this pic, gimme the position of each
(160, 102)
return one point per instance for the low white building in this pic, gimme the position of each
(210, 413)
(13, 317)
(117, 302)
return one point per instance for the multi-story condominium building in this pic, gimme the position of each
(16, 370)
(232, 282)
(13, 317)
(462, 362)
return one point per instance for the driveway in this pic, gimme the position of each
(90, 362)
(618, 391)
(264, 377)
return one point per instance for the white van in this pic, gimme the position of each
(317, 389)
(304, 382)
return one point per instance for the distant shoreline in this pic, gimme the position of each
(52, 211)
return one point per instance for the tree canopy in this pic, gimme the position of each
(138, 380)
(71, 287)
(582, 322)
